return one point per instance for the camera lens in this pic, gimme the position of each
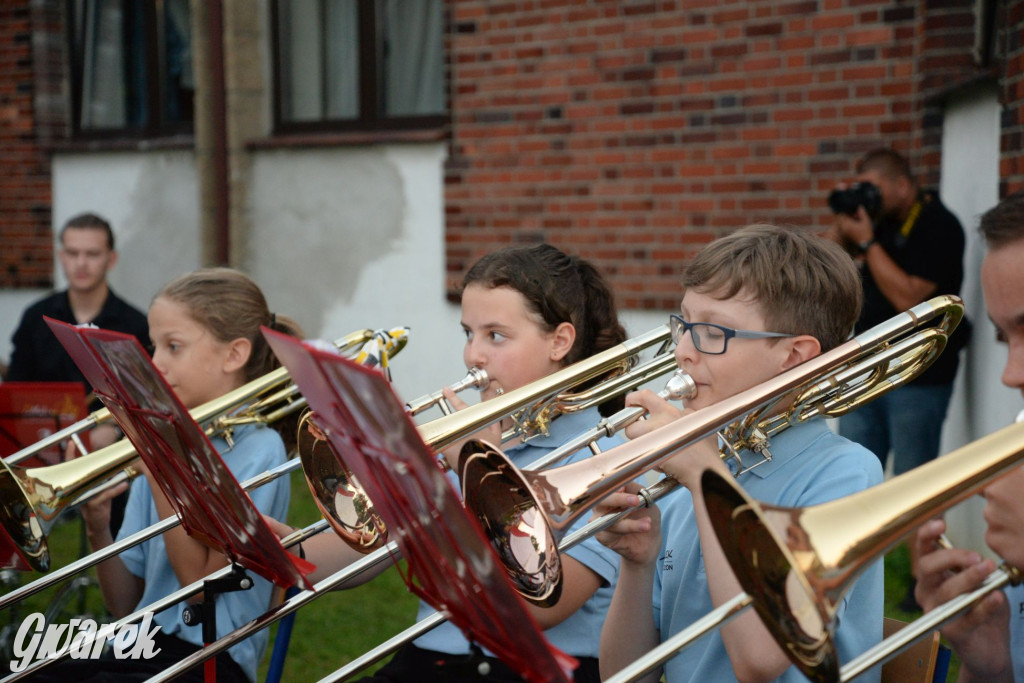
(847, 201)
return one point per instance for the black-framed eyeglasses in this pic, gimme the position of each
(713, 339)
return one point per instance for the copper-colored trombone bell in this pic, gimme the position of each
(525, 513)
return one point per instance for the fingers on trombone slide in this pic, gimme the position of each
(634, 534)
(944, 571)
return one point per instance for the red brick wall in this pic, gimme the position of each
(1011, 166)
(633, 132)
(30, 116)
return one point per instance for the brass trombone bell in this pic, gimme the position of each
(797, 563)
(31, 499)
(533, 406)
(338, 494)
(524, 513)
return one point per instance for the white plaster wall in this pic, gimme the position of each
(970, 186)
(353, 237)
(347, 238)
(151, 200)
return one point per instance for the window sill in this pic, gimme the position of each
(124, 144)
(336, 139)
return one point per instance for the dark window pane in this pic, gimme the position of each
(336, 57)
(178, 82)
(131, 68)
(413, 57)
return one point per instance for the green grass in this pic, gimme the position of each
(339, 626)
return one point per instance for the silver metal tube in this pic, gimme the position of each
(424, 625)
(87, 422)
(475, 378)
(113, 549)
(899, 641)
(726, 612)
(167, 601)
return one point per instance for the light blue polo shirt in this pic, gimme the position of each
(257, 449)
(580, 634)
(810, 465)
(1015, 595)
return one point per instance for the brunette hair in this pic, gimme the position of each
(558, 288)
(1004, 223)
(804, 283)
(89, 221)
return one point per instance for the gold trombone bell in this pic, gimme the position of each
(31, 499)
(797, 563)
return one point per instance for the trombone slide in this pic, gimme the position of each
(798, 562)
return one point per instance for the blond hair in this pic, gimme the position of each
(804, 284)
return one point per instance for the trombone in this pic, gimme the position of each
(531, 407)
(524, 512)
(338, 494)
(537, 403)
(797, 563)
(31, 499)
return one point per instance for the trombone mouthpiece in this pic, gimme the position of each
(680, 386)
(477, 378)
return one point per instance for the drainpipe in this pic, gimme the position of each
(212, 132)
(218, 96)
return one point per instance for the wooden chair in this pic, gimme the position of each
(926, 661)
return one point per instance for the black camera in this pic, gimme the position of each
(859, 194)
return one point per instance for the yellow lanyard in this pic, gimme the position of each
(908, 224)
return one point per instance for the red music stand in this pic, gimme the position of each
(200, 487)
(450, 562)
(31, 411)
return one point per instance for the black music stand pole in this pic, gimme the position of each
(205, 612)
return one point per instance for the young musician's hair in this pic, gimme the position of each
(1004, 223)
(888, 162)
(804, 284)
(231, 306)
(558, 288)
(89, 221)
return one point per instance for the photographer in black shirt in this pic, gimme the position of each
(910, 247)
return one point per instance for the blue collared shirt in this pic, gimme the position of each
(810, 465)
(1015, 595)
(580, 634)
(257, 449)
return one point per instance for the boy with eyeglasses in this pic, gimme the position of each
(757, 303)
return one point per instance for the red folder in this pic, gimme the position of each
(30, 411)
(200, 487)
(450, 562)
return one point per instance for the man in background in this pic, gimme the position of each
(86, 255)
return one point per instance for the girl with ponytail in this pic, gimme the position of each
(527, 312)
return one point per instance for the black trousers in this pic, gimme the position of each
(414, 665)
(107, 669)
